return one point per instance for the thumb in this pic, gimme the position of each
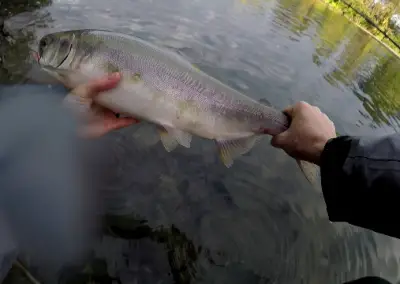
(94, 87)
(280, 140)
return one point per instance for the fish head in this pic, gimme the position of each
(54, 49)
(61, 55)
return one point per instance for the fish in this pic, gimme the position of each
(161, 87)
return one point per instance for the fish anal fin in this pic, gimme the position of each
(169, 142)
(229, 150)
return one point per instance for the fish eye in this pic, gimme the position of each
(42, 45)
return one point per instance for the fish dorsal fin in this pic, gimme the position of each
(171, 137)
(264, 102)
(232, 149)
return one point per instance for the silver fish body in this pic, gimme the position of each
(160, 87)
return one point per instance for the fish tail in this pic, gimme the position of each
(310, 171)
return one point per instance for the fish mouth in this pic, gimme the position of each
(35, 56)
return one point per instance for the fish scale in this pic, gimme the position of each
(185, 84)
(161, 87)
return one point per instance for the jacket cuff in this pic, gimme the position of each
(333, 178)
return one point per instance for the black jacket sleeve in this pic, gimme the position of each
(361, 182)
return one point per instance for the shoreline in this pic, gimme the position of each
(397, 54)
(364, 29)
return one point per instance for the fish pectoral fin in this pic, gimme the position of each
(182, 137)
(310, 171)
(167, 139)
(232, 149)
(60, 74)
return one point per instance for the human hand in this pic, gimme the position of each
(98, 120)
(309, 131)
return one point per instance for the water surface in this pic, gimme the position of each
(183, 216)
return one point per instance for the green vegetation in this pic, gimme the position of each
(13, 53)
(378, 80)
(374, 17)
(383, 84)
(380, 83)
(372, 75)
(9, 8)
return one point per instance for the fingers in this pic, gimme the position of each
(94, 87)
(289, 111)
(92, 131)
(109, 115)
(278, 141)
(317, 109)
(298, 107)
(281, 140)
(101, 128)
(123, 122)
(103, 84)
(116, 123)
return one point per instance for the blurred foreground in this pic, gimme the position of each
(46, 197)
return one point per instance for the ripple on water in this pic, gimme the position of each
(258, 222)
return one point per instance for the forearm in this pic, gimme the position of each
(361, 182)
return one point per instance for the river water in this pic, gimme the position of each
(183, 217)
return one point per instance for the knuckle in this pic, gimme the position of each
(302, 105)
(277, 141)
(82, 91)
(89, 90)
(76, 103)
(327, 118)
(317, 110)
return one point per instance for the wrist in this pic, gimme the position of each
(318, 149)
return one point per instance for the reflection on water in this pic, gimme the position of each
(258, 222)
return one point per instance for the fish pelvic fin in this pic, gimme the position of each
(310, 171)
(168, 141)
(229, 150)
(172, 137)
(183, 138)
